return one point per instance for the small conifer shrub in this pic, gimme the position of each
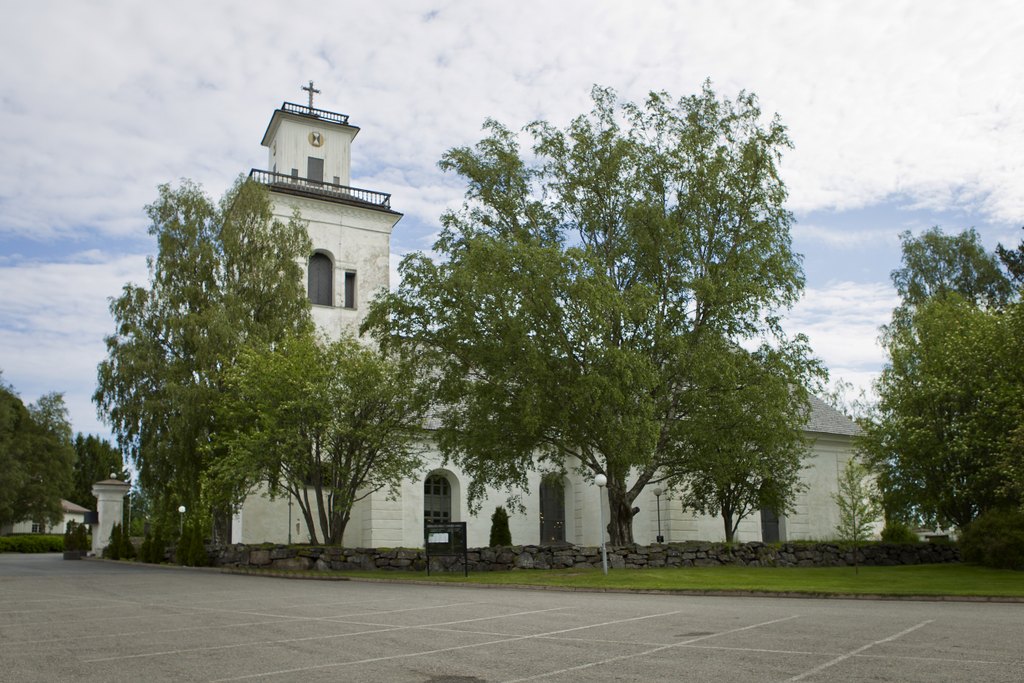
(196, 552)
(157, 547)
(145, 550)
(500, 534)
(113, 549)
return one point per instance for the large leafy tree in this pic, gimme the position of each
(936, 265)
(952, 393)
(1013, 261)
(95, 459)
(578, 282)
(741, 447)
(35, 457)
(223, 276)
(949, 399)
(324, 423)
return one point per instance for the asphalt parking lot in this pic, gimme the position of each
(101, 621)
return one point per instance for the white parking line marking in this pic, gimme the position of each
(442, 650)
(651, 651)
(272, 619)
(386, 629)
(853, 653)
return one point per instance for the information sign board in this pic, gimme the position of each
(446, 540)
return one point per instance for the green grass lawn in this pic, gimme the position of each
(924, 580)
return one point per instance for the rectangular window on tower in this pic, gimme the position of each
(315, 169)
(350, 289)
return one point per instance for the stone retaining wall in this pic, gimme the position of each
(689, 554)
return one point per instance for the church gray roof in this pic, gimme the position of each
(825, 419)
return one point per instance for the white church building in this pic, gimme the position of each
(309, 160)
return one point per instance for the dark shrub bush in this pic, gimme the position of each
(190, 550)
(145, 550)
(995, 539)
(181, 546)
(75, 537)
(898, 532)
(160, 543)
(500, 534)
(127, 550)
(157, 547)
(196, 552)
(113, 549)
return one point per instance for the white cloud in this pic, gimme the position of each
(842, 322)
(844, 238)
(882, 98)
(53, 318)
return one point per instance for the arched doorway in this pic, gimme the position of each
(552, 510)
(437, 500)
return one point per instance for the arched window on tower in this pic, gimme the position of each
(321, 280)
(437, 500)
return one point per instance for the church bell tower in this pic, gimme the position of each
(309, 169)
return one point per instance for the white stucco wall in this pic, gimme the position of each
(380, 522)
(816, 514)
(265, 520)
(26, 526)
(356, 240)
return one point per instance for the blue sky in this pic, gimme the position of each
(903, 115)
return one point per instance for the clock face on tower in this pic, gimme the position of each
(316, 138)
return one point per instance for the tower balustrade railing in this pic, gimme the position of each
(303, 110)
(289, 183)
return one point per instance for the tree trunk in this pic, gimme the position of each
(730, 529)
(322, 509)
(307, 514)
(338, 528)
(620, 514)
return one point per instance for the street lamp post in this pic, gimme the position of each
(601, 482)
(657, 494)
(181, 520)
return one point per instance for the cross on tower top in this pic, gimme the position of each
(311, 90)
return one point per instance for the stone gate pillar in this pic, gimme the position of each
(110, 495)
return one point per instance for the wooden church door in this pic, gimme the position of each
(770, 532)
(552, 512)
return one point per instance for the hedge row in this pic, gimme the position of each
(32, 543)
